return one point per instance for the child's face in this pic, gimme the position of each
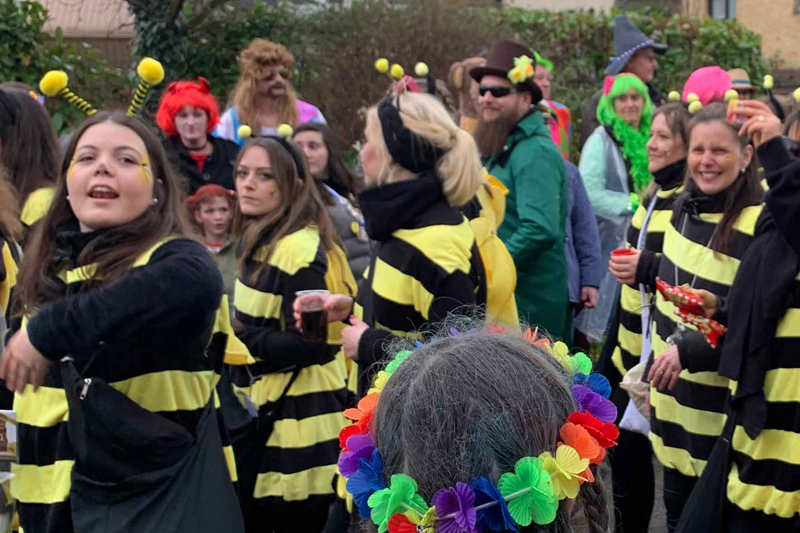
(214, 215)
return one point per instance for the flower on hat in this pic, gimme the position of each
(516, 75)
(358, 447)
(588, 400)
(362, 415)
(578, 438)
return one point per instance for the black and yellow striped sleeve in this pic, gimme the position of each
(180, 274)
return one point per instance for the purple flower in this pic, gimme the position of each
(367, 480)
(459, 502)
(360, 447)
(496, 517)
(591, 402)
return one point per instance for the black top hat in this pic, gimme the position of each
(628, 39)
(501, 61)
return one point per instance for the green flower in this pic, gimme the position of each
(397, 361)
(581, 364)
(532, 489)
(400, 497)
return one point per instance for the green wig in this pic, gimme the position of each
(633, 143)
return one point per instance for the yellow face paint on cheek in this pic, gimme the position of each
(145, 172)
(71, 169)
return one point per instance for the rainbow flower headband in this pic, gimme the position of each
(529, 494)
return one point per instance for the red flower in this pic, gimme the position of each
(605, 433)
(399, 523)
(346, 433)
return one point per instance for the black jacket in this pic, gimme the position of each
(218, 168)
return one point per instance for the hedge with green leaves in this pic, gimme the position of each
(335, 48)
(27, 52)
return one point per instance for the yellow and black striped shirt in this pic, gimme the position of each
(765, 475)
(420, 276)
(686, 421)
(153, 336)
(300, 457)
(628, 351)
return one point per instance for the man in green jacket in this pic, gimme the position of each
(519, 151)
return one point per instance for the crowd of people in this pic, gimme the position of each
(200, 320)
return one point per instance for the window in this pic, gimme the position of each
(722, 9)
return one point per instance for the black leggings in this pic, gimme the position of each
(633, 482)
(677, 489)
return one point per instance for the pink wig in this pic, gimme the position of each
(709, 83)
(178, 95)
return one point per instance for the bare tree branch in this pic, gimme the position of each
(200, 17)
(174, 10)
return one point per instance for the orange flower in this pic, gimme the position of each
(363, 414)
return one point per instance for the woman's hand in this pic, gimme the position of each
(710, 301)
(21, 364)
(760, 124)
(665, 370)
(338, 307)
(351, 336)
(623, 267)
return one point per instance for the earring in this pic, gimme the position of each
(68, 197)
(155, 201)
(742, 171)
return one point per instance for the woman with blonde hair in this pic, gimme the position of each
(264, 97)
(419, 167)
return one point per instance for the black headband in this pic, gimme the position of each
(411, 151)
(289, 147)
(10, 106)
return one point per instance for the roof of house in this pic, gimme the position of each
(89, 18)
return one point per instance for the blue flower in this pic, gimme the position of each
(496, 517)
(367, 480)
(597, 382)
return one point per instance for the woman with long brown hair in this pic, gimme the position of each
(288, 244)
(29, 153)
(114, 289)
(712, 225)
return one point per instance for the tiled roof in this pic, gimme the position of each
(89, 18)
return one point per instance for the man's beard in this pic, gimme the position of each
(491, 136)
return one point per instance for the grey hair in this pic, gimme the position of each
(471, 405)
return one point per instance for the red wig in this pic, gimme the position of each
(178, 95)
(207, 192)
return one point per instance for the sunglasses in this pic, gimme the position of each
(497, 92)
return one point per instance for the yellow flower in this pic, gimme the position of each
(528, 71)
(522, 61)
(516, 75)
(380, 382)
(566, 470)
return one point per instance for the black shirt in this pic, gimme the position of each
(218, 167)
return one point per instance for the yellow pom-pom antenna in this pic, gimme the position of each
(152, 73)
(421, 69)
(397, 71)
(692, 97)
(674, 96)
(382, 65)
(695, 106)
(285, 130)
(769, 82)
(244, 131)
(796, 95)
(54, 83)
(731, 94)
